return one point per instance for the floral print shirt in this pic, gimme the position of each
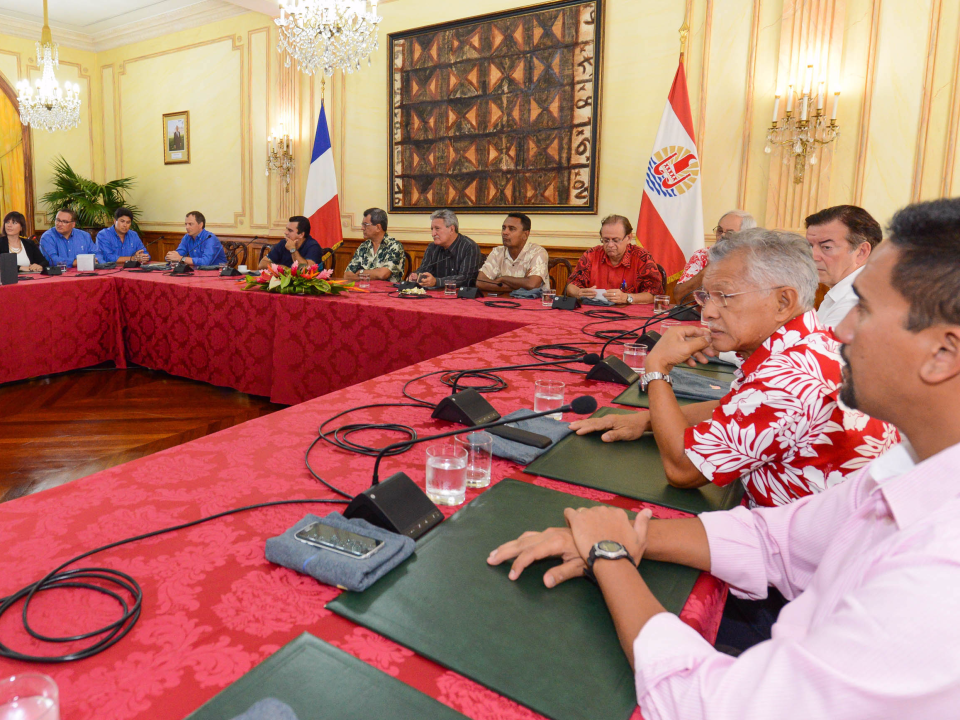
(389, 255)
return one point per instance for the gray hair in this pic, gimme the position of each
(449, 218)
(773, 259)
(746, 219)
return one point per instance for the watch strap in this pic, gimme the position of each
(648, 378)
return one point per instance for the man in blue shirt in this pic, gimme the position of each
(298, 247)
(63, 242)
(118, 243)
(199, 246)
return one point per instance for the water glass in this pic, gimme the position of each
(666, 324)
(62, 265)
(548, 395)
(363, 279)
(450, 288)
(242, 269)
(635, 356)
(30, 696)
(548, 296)
(479, 447)
(446, 473)
(661, 303)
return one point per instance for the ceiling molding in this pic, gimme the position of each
(270, 8)
(202, 13)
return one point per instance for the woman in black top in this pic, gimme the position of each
(13, 240)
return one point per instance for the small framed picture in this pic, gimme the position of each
(176, 137)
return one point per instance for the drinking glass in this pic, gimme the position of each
(446, 473)
(666, 324)
(363, 279)
(635, 356)
(661, 303)
(62, 265)
(479, 447)
(30, 696)
(449, 288)
(548, 395)
(548, 296)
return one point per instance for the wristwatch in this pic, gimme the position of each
(606, 550)
(648, 378)
(629, 299)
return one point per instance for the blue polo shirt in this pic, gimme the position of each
(111, 246)
(59, 249)
(204, 249)
(310, 249)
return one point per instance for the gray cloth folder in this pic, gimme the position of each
(525, 454)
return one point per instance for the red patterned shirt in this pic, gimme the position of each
(637, 267)
(697, 262)
(781, 430)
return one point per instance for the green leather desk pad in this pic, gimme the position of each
(633, 396)
(554, 651)
(317, 679)
(632, 469)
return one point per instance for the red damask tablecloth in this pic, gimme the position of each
(213, 606)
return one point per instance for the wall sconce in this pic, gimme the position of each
(801, 136)
(280, 156)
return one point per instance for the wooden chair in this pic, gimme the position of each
(407, 266)
(663, 278)
(264, 251)
(236, 253)
(560, 271)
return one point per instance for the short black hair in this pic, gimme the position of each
(303, 224)
(122, 212)
(70, 211)
(861, 227)
(524, 220)
(377, 217)
(927, 273)
(17, 217)
(198, 216)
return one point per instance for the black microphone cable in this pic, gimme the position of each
(650, 321)
(98, 579)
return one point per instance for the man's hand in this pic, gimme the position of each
(590, 292)
(290, 245)
(427, 280)
(680, 344)
(533, 546)
(34, 267)
(617, 297)
(616, 427)
(174, 256)
(591, 525)
(141, 256)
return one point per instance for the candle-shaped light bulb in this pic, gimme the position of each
(776, 109)
(789, 98)
(807, 80)
(836, 102)
(820, 98)
(804, 105)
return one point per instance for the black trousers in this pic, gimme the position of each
(748, 622)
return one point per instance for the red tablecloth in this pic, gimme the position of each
(213, 606)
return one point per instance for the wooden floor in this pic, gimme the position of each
(63, 427)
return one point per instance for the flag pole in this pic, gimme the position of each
(684, 31)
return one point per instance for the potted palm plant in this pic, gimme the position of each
(94, 203)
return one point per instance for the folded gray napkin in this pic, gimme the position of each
(595, 301)
(524, 294)
(694, 386)
(268, 709)
(525, 454)
(333, 568)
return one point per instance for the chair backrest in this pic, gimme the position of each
(560, 271)
(663, 277)
(407, 265)
(236, 253)
(264, 251)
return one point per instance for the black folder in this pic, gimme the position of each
(632, 469)
(318, 680)
(555, 651)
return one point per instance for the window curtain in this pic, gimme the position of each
(13, 190)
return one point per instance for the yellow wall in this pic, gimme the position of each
(899, 112)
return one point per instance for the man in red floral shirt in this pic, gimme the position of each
(624, 273)
(781, 429)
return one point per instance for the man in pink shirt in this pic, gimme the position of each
(871, 566)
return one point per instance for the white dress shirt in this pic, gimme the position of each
(839, 301)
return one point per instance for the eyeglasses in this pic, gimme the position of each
(720, 232)
(366, 225)
(611, 241)
(720, 299)
(58, 221)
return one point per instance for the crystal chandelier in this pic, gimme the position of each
(801, 136)
(328, 34)
(48, 108)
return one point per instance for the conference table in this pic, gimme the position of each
(213, 606)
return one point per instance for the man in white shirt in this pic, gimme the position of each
(518, 264)
(842, 238)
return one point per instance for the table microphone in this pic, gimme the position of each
(398, 505)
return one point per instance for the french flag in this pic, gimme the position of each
(322, 204)
(670, 225)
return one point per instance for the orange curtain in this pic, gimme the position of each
(13, 191)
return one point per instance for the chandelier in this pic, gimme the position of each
(48, 108)
(801, 136)
(328, 34)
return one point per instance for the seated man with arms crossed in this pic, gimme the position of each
(298, 247)
(870, 566)
(451, 258)
(692, 276)
(780, 430)
(64, 241)
(518, 264)
(380, 257)
(627, 273)
(118, 243)
(842, 238)
(199, 246)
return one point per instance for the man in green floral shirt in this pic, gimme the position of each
(381, 257)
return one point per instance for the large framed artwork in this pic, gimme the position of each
(176, 137)
(499, 112)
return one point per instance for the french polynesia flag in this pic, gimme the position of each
(670, 225)
(322, 204)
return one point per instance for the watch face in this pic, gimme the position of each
(609, 546)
